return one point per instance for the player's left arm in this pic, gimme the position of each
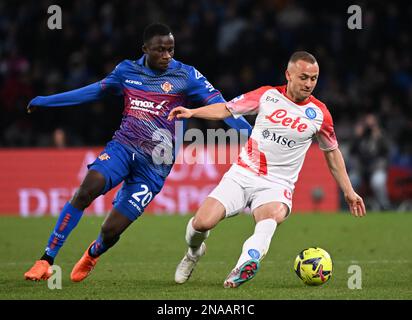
(202, 92)
(329, 145)
(92, 92)
(216, 111)
(337, 167)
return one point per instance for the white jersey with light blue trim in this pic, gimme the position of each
(282, 134)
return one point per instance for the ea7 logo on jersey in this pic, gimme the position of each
(271, 99)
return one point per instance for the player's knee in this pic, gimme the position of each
(209, 215)
(82, 198)
(91, 187)
(202, 224)
(279, 217)
(278, 213)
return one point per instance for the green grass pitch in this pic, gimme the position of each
(142, 264)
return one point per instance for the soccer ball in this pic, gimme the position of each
(313, 266)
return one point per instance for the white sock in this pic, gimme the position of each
(258, 244)
(194, 238)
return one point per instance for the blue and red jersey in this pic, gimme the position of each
(149, 95)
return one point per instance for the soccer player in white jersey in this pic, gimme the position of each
(264, 177)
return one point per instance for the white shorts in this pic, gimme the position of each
(236, 191)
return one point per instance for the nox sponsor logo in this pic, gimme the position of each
(139, 83)
(281, 116)
(283, 141)
(137, 104)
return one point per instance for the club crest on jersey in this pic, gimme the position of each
(104, 157)
(167, 87)
(310, 113)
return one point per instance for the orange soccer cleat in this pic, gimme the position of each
(84, 266)
(41, 270)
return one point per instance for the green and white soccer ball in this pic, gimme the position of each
(314, 266)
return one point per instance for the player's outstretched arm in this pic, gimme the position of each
(337, 167)
(85, 94)
(216, 111)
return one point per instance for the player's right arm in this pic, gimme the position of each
(89, 93)
(245, 104)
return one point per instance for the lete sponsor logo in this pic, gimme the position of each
(281, 116)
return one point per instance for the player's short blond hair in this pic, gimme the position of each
(302, 55)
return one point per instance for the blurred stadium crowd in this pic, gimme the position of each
(365, 79)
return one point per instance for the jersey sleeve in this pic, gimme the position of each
(200, 91)
(92, 92)
(113, 82)
(326, 134)
(246, 104)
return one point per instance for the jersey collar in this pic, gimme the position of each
(282, 90)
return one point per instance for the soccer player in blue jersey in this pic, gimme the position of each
(152, 86)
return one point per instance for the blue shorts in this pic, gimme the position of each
(117, 163)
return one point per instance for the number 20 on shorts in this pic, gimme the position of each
(144, 196)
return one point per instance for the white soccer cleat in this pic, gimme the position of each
(242, 274)
(187, 265)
